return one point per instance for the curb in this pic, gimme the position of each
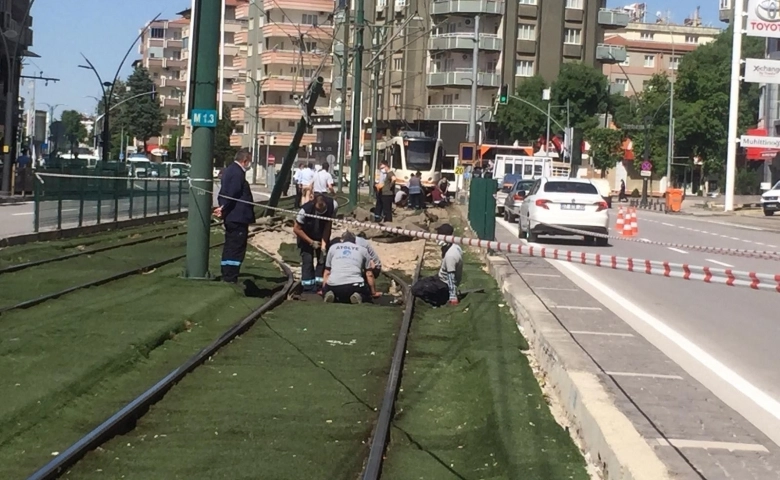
(14, 200)
(610, 439)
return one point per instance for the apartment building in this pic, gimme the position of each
(653, 48)
(161, 47)
(14, 18)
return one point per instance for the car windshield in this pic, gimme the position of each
(508, 182)
(419, 154)
(523, 185)
(777, 186)
(570, 187)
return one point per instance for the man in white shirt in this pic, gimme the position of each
(298, 185)
(306, 176)
(322, 181)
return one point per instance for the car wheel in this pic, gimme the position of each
(602, 241)
(769, 213)
(532, 237)
(500, 212)
(590, 240)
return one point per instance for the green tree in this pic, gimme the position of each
(142, 115)
(73, 130)
(117, 118)
(606, 148)
(172, 145)
(586, 90)
(223, 151)
(520, 121)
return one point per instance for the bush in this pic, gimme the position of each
(747, 182)
(635, 193)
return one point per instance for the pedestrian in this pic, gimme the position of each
(348, 274)
(386, 192)
(416, 192)
(298, 185)
(437, 198)
(22, 164)
(306, 177)
(401, 198)
(322, 182)
(440, 289)
(622, 194)
(380, 180)
(376, 262)
(313, 236)
(237, 212)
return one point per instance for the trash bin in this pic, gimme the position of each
(674, 198)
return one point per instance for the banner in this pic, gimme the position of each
(760, 70)
(763, 18)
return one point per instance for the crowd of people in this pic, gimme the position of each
(342, 269)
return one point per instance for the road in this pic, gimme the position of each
(693, 335)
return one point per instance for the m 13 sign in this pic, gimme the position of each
(763, 18)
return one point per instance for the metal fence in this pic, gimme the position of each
(90, 197)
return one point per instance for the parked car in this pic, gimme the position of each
(514, 200)
(770, 200)
(504, 186)
(563, 202)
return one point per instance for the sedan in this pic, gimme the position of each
(514, 200)
(770, 200)
(504, 186)
(573, 203)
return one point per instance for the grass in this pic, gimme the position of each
(45, 250)
(470, 406)
(66, 365)
(45, 279)
(294, 398)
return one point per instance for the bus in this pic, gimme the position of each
(411, 152)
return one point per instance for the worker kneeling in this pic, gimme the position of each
(313, 233)
(440, 289)
(349, 276)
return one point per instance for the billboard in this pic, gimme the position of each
(760, 70)
(763, 18)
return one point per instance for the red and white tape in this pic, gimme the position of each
(728, 277)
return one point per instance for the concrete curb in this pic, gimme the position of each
(14, 200)
(608, 435)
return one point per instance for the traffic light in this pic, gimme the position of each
(503, 96)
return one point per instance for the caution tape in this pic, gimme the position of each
(728, 277)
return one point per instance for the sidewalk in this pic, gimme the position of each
(14, 199)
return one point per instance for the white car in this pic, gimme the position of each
(566, 202)
(770, 200)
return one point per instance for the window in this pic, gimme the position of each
(649, 61)
(571, 187)
(627, 62)
(398, 64)
(526, 32)
(646, 35)
(449, 64)
(524, 68)
(572, 36)
(623, 82)
(527, 2)
(395, 100)
(291, 124)
(674, 63)
(725, 4)
(691, 39)
(309, 19)
(157, 33)
(577, 4)
(310, 46)
(447, 99)
(491, 67)
(308, 73)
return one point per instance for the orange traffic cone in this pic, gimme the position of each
(620, 221)
(627, 229)
(634, 223)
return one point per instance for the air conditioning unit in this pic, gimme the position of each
(467, 21)
(400, 5)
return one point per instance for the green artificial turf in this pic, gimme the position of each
(52, 277)
(470, 407)
(292, 399)
(290, 254)
(67, 365)
(45, 250)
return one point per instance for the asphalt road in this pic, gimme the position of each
(726, 338)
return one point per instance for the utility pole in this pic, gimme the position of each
(206, 25)
(547, 95)
(357, 91)
(374, 113)
(736, 64)
(670, 145)
(343, 135)
(310, 100)
(472, 137)
(256, 130)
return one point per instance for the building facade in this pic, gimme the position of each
(14, 17)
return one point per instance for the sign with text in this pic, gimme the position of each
(761, 70)
(204, 118)
(763, 18)
(755, 141)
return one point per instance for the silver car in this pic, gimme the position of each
(514, 199)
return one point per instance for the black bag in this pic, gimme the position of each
(432, 291)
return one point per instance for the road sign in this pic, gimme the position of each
(756, 141)
(271, 160)
(646, 166)
(458, 170)
(646, 173)
(204, 118)
(121, 156)
(331, 159)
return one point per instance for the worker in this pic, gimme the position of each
(313, 235)
(380, 180)
(442, 288)
(401, 198)
(386, 192)
(298, 185)
(416, 200)
(306, 176)
(376, 262)
(322, 181)
(237, 212)
(348, 274)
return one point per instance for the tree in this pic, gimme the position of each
(223, 151)
(586, 90)
(172, 146)
(143, 115)
(117, 118)
(520, 121)
(606, 148)
(74, 131)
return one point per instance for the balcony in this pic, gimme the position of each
(171, 122)
(463, 78)
(286, 31)
(231, 72)
(229, 97)
(155, 42)
(235, 26)
(293, 57)
(231, 50)
(613, 18)
(313, 6)
(460, 113)
(175, 44)
(154, 63)
(465, 41)
(235, 139)
(290, 84)
(241, 38)
(285, 138)
(242, 11)
(171, 102)
(611, 53)
(281, 112)
(237, 115)
(172, 83)
(448, 7)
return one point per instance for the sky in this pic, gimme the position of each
(104, 29)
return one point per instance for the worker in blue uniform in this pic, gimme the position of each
(237, 212)
(313, 235)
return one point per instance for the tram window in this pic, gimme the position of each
(528, 170)
(537, 169)
(395, 157)
(448, 163)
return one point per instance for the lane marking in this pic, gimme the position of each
(731, 447)
(546, 275)
(718, 368)
(644, 375)
(556, 289)
(746, 227)
(722, 264)
(570, 307)
(668, 225)
(605, 334)
(22, 214)
(677, 250)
